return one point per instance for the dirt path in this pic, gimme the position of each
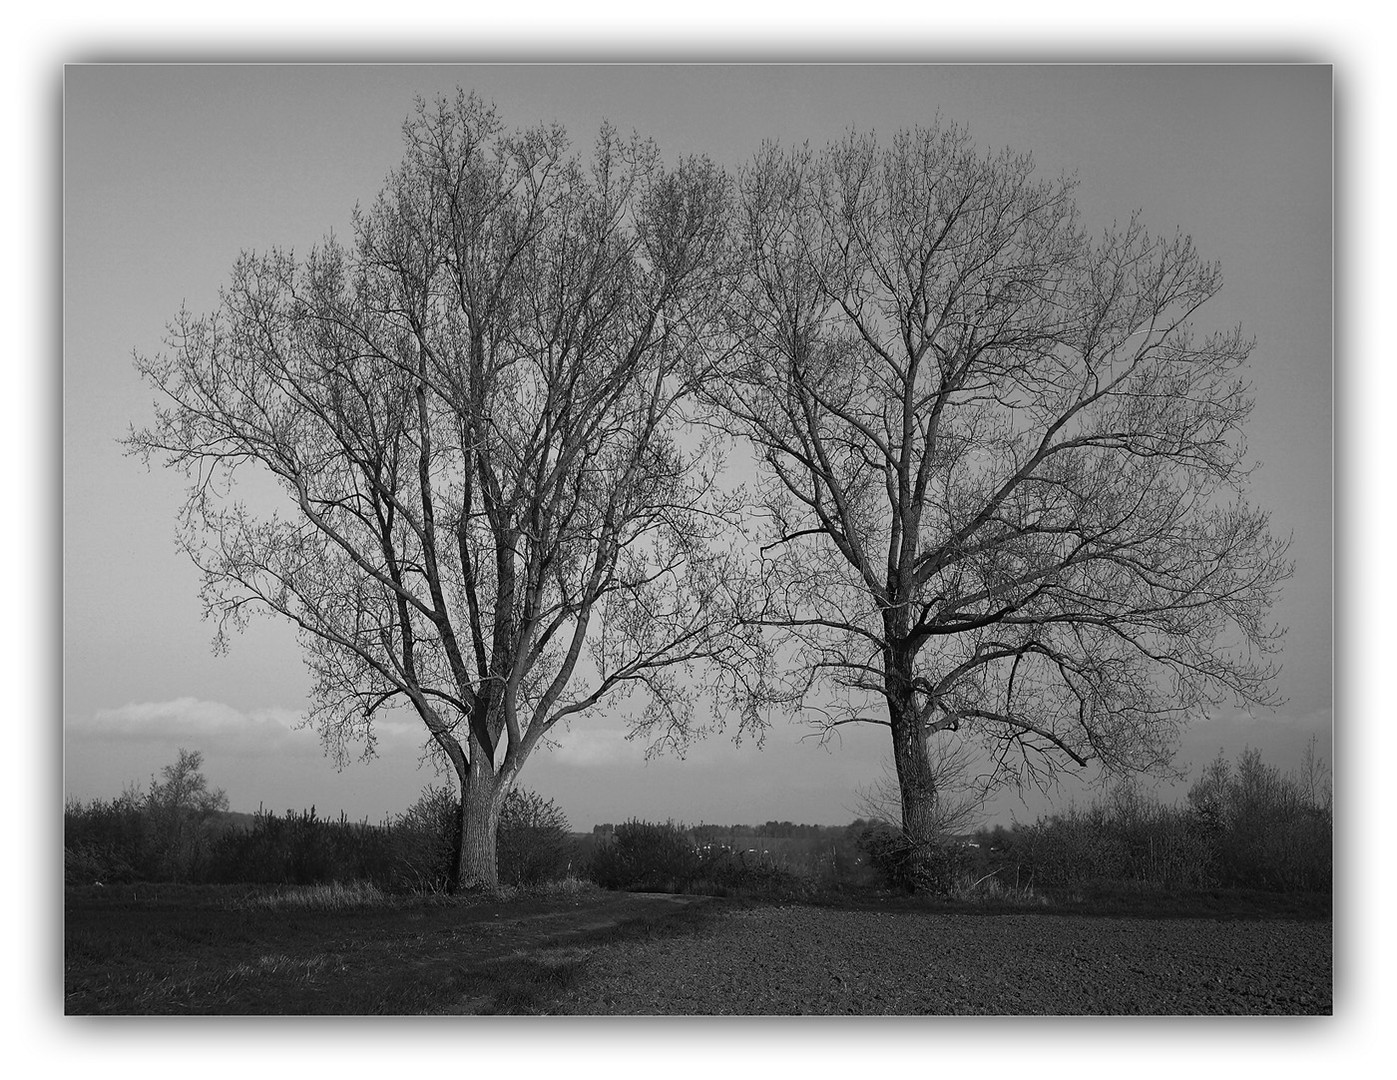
(504, 926)
(547, 941)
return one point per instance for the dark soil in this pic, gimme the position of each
(801, 959)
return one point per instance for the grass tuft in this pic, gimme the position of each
(989, 889)
(335, 896)
(571, 887)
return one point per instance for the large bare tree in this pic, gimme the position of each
(493, 510)
(1003, 482)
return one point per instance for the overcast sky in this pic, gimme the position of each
(170, 171)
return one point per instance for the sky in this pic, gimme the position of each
(170, 171)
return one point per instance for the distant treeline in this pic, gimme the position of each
(775, 830)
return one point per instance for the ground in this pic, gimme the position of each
(169, 950)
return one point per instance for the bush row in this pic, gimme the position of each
(1244, 826)
(641, 856)
(158, 836)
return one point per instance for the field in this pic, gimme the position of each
(207, 950)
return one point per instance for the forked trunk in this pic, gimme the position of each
(475, 866)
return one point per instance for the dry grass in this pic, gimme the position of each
(335, 896)
(991, 889)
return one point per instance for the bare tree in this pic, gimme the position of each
(1002, 480)
(476, 416)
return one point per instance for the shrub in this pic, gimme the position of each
(105, 841)
(644, 857)
(179, 831)
(423, 842)
(1242, 827)
(722, 871)
(305, 849)
(165, 834)
(1124, 837)
(890, 851)
(1269, 831)
(411, 853)
(533, 844)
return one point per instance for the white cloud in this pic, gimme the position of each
(197, 719)
(260, 756)
(183, 717)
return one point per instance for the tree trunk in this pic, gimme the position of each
(915, 778)
(479, 817)
(918, 789)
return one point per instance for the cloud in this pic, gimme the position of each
(259, 756)
(186, 716)
(196, 719)
(589, 745)
(593, 747)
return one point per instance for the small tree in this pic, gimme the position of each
(178, 809)
(1003, 480)
(183, 789)
(1270, 830)
(493, 514)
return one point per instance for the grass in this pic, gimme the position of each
(998, 894)
(332, 897)
(991, 888)
(566, 888)
(1123, 898)
(521, 984)
(338, 950)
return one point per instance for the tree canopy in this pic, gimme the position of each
(1003, 480)
(493, 510)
